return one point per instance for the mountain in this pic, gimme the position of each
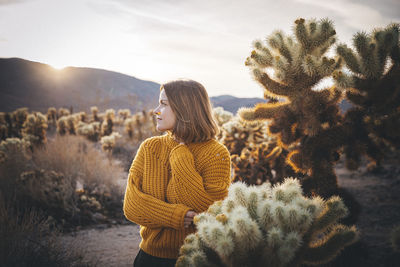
(38, 86)
(232, 104)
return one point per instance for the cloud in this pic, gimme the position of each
(10, 2)
(355, 15)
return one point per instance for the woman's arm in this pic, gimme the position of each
(195, 190)
(145, 209)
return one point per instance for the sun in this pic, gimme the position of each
(58, 66)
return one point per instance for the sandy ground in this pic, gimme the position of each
(378, 195)
(115, 246)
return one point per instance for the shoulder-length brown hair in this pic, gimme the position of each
(190, 103)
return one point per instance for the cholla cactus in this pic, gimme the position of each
(130, 127)
(140, 126)
(373, 87)
(238, 134)
(90, 130)
(62, 125)
(108, 142)
(95, 112)
(221, 116)
(52, 115)
(18, 119)
(49, 189)
(268, 226)
(34, 129)
(82, 116)
(307, 121)
(71, 124)
(261, 163)
(63, 112)
(108, 123)
(124, 114)
(3, 126)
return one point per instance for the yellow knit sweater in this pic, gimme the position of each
(166, 180)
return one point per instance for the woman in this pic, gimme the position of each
(175, 176)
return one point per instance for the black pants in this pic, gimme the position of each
(145, 260)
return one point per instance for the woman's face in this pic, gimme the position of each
(166, 118)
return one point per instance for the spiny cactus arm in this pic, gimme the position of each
(145, 209)
(278, 41)
(324, 33)
(329, 247)
(333, 211)
(197, 191)
(302, 34)
(368, 56)
(262, 111)
(352, 61)
(272, 88)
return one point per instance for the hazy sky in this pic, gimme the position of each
(161, 40)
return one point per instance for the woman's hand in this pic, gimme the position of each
(189, 218)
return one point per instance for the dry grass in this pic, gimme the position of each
(79, 160)
(27, 239)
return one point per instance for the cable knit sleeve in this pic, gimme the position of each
(192, 189)
(145, 209)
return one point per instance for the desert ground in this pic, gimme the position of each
(378, 196)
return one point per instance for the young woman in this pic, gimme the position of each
(175, 176)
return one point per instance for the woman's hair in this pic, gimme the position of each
(191, 105)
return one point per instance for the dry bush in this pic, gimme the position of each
(15, 158)
(28, 239)
(80, 161)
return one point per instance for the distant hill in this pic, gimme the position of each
(38, 86)
(232, 104)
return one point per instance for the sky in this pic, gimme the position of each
(162, 40)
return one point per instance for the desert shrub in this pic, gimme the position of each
(15, 158)
(28, 239)
(82, 163)
(49, 191)
(268, 226)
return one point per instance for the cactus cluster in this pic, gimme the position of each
(140, 125)
(372, 84)
(108, 142)
(268, 226)
(261, 163)
(34, 129)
